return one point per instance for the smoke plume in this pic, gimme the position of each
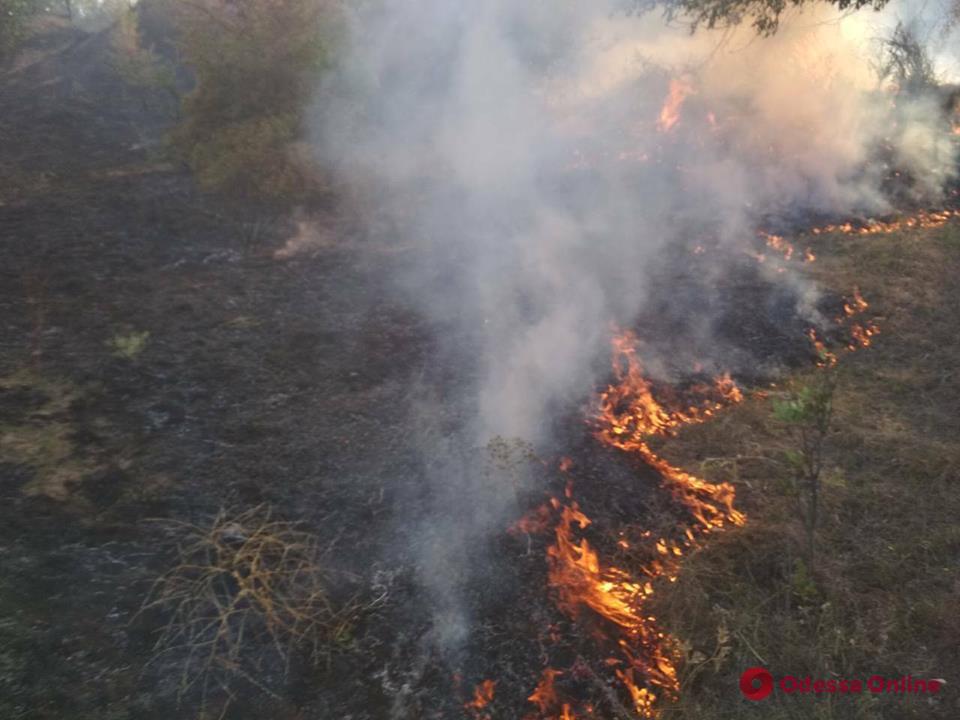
(541, 157)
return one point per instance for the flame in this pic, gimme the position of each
(854, 305)
(629, 412)
(614, 600)
(825, 358)
(482, 696)
(680, 89)
(545, 695)
(923, 219)
(861, 334)
(784, 247)
(582, 583)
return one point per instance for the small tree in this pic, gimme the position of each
(138, 65)
(807, 411)
(904, 60)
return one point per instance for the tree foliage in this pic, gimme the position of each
(905, 61)
(255, 63)
(763, 15)
(807, 410)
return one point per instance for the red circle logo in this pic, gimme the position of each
(756, 683)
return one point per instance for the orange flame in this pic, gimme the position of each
(581, 582)
(629, 413)
(923, 220)
(482, 696)
(545, 695)
(825, 358)
(784, 247)
(861, 335)
(856, 304)
(680, 89)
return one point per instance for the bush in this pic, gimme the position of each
(246, 593)
(14, 15)
(138, 65)
(255, 63)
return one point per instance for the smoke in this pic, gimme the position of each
(523, 150)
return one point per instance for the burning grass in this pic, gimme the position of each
(610, 602)
(678, 617)
(877, 598)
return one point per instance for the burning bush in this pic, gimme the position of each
(254, 62)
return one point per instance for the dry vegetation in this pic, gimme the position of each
(245, 598)
(881, 594)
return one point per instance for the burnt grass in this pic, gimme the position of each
(262, 380)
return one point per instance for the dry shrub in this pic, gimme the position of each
(245, 596)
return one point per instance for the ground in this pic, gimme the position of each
(881, 595)
(159, 358)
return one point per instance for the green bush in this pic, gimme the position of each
(256, 63)
(14, 15)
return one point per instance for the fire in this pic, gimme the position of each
(854, 305)
(482, 696)
(629, 412)
(825, 358)
(784, 247)
(861, 334)
(545, 695)
(583, 584)
(615, 601)
(680, 89)
(923, 219)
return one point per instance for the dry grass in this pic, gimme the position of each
(42, 436)
(881, 597)
(245, 596)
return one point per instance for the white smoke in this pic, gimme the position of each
(515, 144)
